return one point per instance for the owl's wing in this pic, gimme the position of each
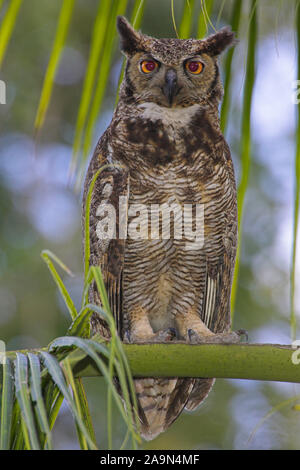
(220, 257)
(219, 272)
(216, 302)
(216, 312)
(107, 232)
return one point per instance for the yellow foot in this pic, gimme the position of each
(161, 336)
(221, 338)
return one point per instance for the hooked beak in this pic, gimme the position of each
(170, 88)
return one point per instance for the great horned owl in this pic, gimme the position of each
(164, 159)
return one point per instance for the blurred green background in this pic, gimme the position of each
(40, 209)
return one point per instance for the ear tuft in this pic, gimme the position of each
(217, 43)
(130, 39)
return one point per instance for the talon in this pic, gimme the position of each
(193, 337)
(227, 338)
(163, 336)
(173, 332)
(166, 335)
(243, 332)
(191, 334)
(218, 338)
(126, 338)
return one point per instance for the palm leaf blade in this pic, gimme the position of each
(23, 397)
(6, 404)
(57, 376)
(235, 22)
(204, 17)
(293, 321)
(61, 33)
(97, 44)
(118, 9)
(37, 397)
(46, 255)
(8, 26)
(186, 20)
(246, 139)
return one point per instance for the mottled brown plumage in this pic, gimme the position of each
(164, 146)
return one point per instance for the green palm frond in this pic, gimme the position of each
(187, 19)
(235, 23)
(7, 26)
(37, 398)
(220, 13)
(47, 255)
(245, 138)
(7, 400)
(204, 17)
(58, 45)
(23, 396)
(174, 19)
(55, 370)
(296, 198)
(97, 43)
(118, 8)
(273, 410)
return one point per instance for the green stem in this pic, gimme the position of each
(270, 362)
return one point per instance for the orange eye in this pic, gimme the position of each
(194, 66)
(148, 66)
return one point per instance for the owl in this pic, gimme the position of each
(163, 214)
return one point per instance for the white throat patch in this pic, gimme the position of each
(169, 116)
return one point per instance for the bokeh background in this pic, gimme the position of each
(39, 209)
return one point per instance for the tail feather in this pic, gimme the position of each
(199, 392)
(161, 400)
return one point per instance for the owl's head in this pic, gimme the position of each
(172, 72)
